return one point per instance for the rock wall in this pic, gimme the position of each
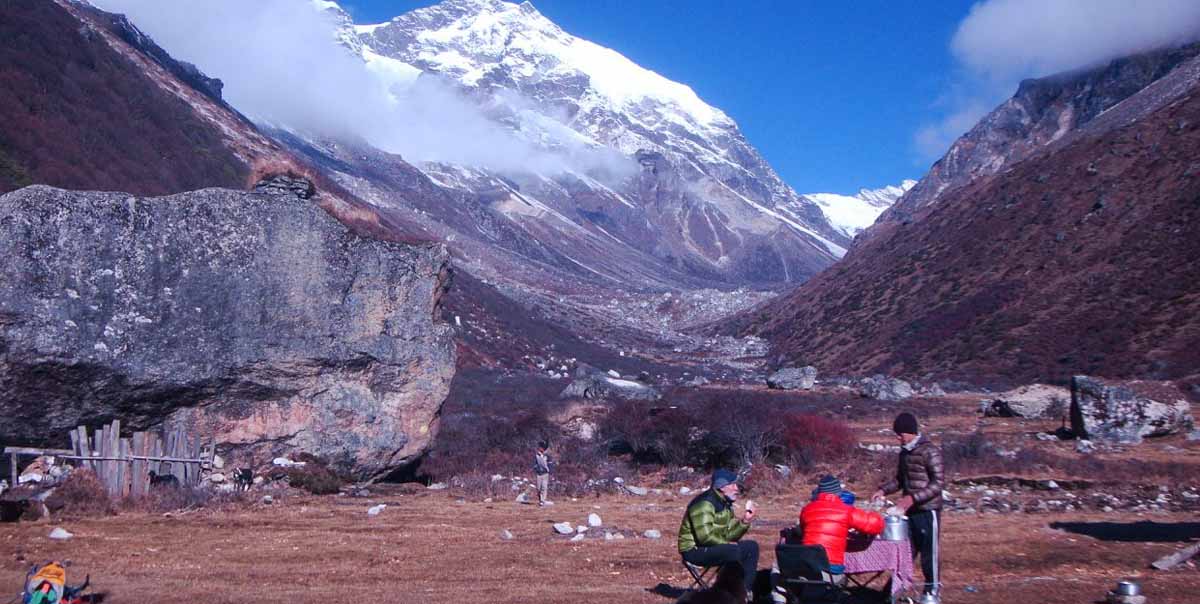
(259, 320)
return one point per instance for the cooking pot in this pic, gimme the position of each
(1128, 588)
(895, 528)
(929, 599)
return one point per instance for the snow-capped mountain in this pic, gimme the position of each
(641, 161)
(852, 214)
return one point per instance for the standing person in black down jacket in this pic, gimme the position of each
(919, 477)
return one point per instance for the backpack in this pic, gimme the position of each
(45, 584)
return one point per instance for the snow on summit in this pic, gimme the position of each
(852, 214)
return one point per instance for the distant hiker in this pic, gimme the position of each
(827, 522)
(919, 476)
(710, 533)
(541, 470)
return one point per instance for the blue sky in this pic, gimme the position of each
(832, 93)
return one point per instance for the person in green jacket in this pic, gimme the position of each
(710, 533)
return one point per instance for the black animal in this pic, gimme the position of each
(11, 511)
(727, 589)
(243, 478)
(163, 480)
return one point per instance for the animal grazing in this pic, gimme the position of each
(162, 480)
(243, 478)
(729, 588)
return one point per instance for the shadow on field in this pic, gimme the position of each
(667, 591)
(1144, 531)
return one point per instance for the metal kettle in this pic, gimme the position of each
(895, 528)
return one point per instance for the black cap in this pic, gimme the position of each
(906, 423)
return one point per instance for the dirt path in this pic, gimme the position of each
(432, 547)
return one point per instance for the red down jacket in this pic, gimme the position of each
(827, 521)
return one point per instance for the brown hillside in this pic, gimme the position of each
(80, 109)
(1084, 259)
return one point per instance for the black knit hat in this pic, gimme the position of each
(906, 423)
(829, 484)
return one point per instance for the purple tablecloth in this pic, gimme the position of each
(867, 555)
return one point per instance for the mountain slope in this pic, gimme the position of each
(1079, 259)
(88, 102)
(637, 163)
(1039, 114)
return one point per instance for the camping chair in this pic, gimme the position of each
(804, 573)
(700, 574)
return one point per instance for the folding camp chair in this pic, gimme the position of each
(700, 574)
(804, 574)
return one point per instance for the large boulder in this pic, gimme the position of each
(1031, 401)
(793, 378)
(259, 321)
(1126, 412)
(591, 384)
(884, 388)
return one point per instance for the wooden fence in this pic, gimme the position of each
(123, 465)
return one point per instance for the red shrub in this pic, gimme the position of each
(812, 439)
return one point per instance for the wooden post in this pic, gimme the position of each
(16, 476)
(114, 450)
(84, 449)
(125, 469)
(137, 469)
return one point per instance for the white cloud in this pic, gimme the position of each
(1001, 42)
(1031, 38)
(281, 64)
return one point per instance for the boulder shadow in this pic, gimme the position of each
(1143, 531)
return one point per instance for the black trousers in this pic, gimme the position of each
(745, 552)
(925, 529)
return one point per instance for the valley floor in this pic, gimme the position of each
(432, 547)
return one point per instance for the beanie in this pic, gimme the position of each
(829, 484)
(906, 423)
(723, 477)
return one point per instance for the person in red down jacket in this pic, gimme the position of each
(827, 521)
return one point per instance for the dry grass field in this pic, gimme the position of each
(432, 547)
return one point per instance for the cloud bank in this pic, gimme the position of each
(281, 64)
(1001, 42)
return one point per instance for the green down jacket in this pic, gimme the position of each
(708, 521)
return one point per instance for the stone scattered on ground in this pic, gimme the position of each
(652, 534)
(594, 520)
(579, 537)
(506, 535)
(60, 534)
(563, 528)
(437, 486)
(376, 510)
(883, 388)
(268, 500)
(1031, 401)
(1127, 412)
(793, 378)
(635, 490)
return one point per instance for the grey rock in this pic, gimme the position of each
(60, 534)
(257, 321)
(579, 537)
(1194, 435)
(596, 385)
(1126, 412)
(652, 534)
(884, 388)
(564, 528)
(268, 500)
(594, 520)
(792, 378)
(437, 486)
(1085, 446)
(506, 535)
(639, 491)
(1032, 401)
